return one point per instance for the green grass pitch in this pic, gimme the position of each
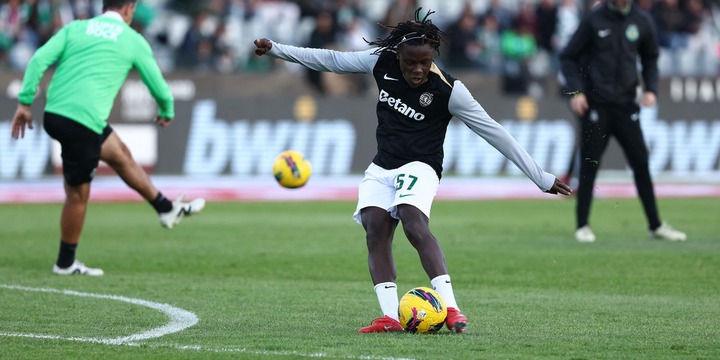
(290, 281)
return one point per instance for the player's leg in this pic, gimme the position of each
(73, 213)
(629, 135)
(593, 141)
(631, 139)
(375, 196)
(379, 230)
(417, 230)
(117, 155)
(80, 157)
(416, 184)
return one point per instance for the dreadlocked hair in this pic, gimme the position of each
(417, 32)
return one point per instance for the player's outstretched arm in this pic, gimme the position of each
(339, 62)
(560, 187)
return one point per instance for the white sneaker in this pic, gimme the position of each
(584, 235)
(77, 268)
(181, 208)
(666, 232)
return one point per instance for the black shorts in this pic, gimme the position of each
(80, 147)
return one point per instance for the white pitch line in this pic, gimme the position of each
(266, 352)
(179, 319)
(219, 350)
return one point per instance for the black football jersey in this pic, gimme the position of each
(412, 122)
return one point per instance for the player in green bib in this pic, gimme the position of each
(93, 59)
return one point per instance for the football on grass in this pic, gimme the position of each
(422, 310)
(291, 169)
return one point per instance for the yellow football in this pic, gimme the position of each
(291, 169)
(422, 310)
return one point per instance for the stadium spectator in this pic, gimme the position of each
(673, 32)
(546, 13)
(701, 56)
(671, 22)
(13, 16)
(518, 45)
(501, 13)
(488, 34)
(323, 36)
(165, 22)
(526, 18)
(397, 12)
(600, 67)
(568, 19)
(417, 100)
(354, 29)
(95, 57)
(463, 45)
(196, 49)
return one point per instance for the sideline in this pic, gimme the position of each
(220, 189)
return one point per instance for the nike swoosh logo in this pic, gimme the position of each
(404, 195)
(388, 327)
(603, 33)
(386, 77)
(389, 287)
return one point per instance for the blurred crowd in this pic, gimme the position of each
(516, 39)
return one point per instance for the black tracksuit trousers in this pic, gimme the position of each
(598, 124)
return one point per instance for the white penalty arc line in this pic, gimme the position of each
(179, 319)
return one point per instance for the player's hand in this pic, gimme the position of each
(23, 116)
(579, 104)
(648, 99)
(163, 121)
(262, 46)
(560, 187)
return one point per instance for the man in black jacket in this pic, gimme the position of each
(600, 67)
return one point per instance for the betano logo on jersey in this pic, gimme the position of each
(401, 107)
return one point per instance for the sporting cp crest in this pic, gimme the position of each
(425, 99)
(632, 33)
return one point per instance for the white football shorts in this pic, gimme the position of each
(414, 184)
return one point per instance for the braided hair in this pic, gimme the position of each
(417, 32)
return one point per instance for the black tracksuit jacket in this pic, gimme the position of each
(601, 58)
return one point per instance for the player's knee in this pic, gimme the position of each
(377, 239)
(120, 157)
(77, 194)
(418, 233)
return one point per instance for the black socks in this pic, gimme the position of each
(66, 257)
(161, 204)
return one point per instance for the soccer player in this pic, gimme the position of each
(600, 64)
(94, 57)
(415, 104)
